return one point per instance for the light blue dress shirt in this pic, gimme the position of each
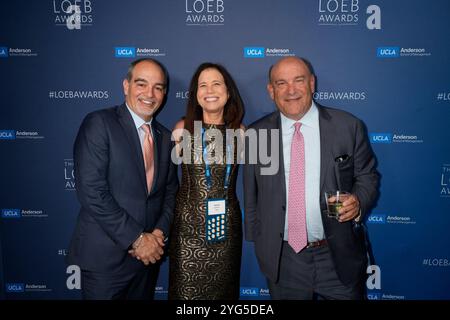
(138, 122)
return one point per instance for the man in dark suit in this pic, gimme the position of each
(126, 184)
(322, 149)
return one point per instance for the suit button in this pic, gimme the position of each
(284, 208)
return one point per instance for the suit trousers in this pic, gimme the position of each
(309, 275)
(138, 285)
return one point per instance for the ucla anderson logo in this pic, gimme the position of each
(7, 134)
(388, 52)
(380, 137)
(249, 292)
(377, 218)
(3, 52)
(11, 213)
(254, 52)
(15, 287)
(125, 52)
(374, 296)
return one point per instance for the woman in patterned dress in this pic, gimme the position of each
(201, 267)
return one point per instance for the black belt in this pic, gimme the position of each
(315, 244)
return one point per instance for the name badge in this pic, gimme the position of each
(216, 220)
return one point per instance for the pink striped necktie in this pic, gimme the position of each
(297, 236)
(147, 151)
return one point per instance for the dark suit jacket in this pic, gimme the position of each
(111, 187)
(265, 195)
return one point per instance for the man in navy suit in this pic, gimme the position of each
(332, 260)
(125, 217)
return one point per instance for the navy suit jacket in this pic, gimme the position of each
(111, 187)
(265, 195)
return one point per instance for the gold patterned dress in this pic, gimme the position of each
(198, 269)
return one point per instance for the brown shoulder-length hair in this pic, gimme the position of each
(233, 110)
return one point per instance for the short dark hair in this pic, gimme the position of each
(233, 110)
(305, 61)
(136, 62)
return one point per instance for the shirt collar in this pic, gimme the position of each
(138, 121)
(310, 119)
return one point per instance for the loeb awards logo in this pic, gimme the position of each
(445, 181)
(205, 12)
(69, 176)
(73, 14)
(347, 13)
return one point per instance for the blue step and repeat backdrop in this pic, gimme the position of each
(385, 61)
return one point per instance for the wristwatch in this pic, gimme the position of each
(138, 241)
